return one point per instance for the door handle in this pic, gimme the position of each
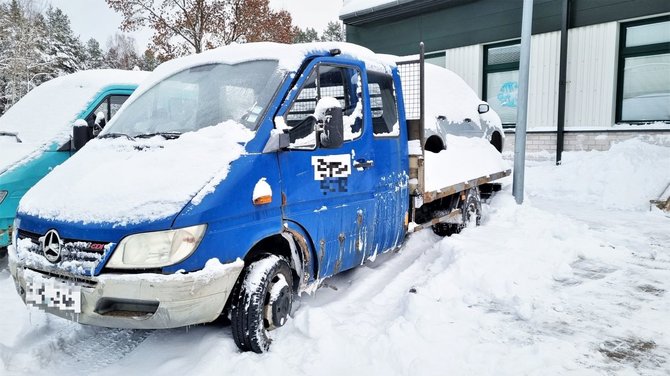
(362, 163)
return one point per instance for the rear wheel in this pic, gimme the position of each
(471, 214)
(471, 209)
(262, 302)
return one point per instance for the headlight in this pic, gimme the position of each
(3, 194)
(156, 249)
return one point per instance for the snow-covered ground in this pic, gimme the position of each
(574, 282)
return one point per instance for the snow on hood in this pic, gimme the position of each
(289, 57)
(45, 115)
(122, 181)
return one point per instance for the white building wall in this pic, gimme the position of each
(543, 80)
(591, 76)
(467, 62)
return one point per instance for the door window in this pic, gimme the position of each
(325, 81)
(108, 107)
(383, 105)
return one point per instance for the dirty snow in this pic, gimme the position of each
(46, 114)
(464, 159)
(558, 286)
(129, 181)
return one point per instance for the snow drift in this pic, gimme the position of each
(624, 178)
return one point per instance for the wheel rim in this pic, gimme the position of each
(277, 303)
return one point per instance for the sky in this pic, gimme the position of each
(94, 19)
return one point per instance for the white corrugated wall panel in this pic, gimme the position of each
(543, 80)
(467, 62)
(591, 76)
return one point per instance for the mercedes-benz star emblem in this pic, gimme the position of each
(51, 246)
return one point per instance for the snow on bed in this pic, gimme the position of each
(126, 181)
(465, 158)
(45, 115)
(624, 178)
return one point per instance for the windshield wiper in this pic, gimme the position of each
(11, 134)
(116, 135)
(165, 135)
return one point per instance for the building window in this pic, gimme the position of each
(643, 91)
(501, 79)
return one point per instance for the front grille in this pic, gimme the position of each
(77, 257)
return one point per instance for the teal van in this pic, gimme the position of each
(35, 133)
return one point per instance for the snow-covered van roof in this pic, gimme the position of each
(46, 114)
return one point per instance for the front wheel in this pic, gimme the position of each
(262, 302)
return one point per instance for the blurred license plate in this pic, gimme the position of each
(45, 293)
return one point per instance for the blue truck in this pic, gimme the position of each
(231, 181)
(35, 132)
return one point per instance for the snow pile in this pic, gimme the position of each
(624, 178)
(46, 114)
(464, 159)
(128, 181)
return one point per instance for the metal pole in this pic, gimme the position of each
(562, 82)
(522, 100)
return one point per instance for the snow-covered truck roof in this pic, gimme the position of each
(288, 56)
(46, 114)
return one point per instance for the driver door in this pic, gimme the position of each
(330, 192)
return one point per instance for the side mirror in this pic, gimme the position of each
(332, 135)
(80, 134)
(278, 140)
(483, 108)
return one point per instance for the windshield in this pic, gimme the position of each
(200, 97)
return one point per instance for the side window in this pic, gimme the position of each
(109, 107)
(115, 103)
(341, 83)
(383, 105)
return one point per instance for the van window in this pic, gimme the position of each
(203, 96)
(341, 83)
(383, 105)
(109, 106)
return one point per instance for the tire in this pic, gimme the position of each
(262, 301)
(471, 209)
(471, 213)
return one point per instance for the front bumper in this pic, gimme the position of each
(143, 301)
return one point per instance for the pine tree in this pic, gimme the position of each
(64, 48)
(94, 55)
(25, 62)
(333, 32)
(304, 36)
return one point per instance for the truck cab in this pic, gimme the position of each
(35, 132)
(230, 181)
